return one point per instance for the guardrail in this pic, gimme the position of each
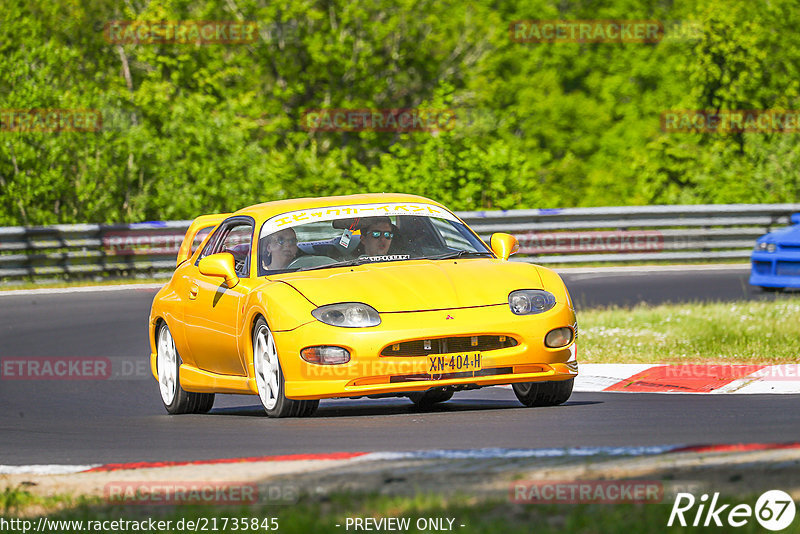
(635, 233)
(546, 236)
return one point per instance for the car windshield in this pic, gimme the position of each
(319, 238)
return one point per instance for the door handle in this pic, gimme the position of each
(193, 292)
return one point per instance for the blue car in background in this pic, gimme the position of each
(776, 258)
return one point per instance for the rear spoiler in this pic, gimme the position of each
(200, 223)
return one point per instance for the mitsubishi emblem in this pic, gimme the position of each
(449, 317)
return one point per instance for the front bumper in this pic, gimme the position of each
(369, 373)
(775, 269)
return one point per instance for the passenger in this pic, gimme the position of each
(278, 250)
(376, 236)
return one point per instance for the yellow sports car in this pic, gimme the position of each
(364, 295)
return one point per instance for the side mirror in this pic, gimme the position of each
(795, 218)
(504, 245)
(221, 265)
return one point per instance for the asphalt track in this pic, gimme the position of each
(122, 420)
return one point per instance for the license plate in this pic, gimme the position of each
(454, 363)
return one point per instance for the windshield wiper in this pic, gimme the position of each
(459, 254)
(361, 261)
(345, 263)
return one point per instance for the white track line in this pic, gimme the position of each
(44, 469)
(81, 289)
(492, 453)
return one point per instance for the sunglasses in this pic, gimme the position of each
(283, 241)
(375, 234)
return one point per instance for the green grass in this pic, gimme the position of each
(730, 332)
(14, 501)
(479, 516)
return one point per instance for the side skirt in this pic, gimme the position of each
(200, 381)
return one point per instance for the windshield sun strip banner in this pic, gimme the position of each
(329, 213)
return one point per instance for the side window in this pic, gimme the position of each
(208, 250)
(198, 238)
(236, 238)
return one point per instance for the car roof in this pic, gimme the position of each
(266, 210)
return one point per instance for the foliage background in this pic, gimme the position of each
(192, 129)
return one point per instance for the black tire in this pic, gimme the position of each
(176, 400)
(427, 399)
(270, 382)
(543, 393)
(771, 289)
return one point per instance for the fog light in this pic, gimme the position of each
(325, 355)
(560, 337)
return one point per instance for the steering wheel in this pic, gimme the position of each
(310, 261)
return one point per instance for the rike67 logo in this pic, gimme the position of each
(774, 510)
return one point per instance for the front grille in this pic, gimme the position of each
(445, 376)
(792, 248)
(762, 267)
(448, 345)
(788, 268)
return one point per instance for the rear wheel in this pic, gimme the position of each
(269, 378)
(427, 399)
(543, 393)
(168, 362)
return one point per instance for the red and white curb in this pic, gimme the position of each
(688, 378)
(433, 454)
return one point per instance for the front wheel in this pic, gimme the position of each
(168, 362)
(543, 393)
(269, 378)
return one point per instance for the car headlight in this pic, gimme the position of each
(765, 247)
(530, 301)
(348, 315)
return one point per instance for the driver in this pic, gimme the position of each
(278, 250)
(376, 236)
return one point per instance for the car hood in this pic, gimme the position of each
(785, 236)
(417, 285)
